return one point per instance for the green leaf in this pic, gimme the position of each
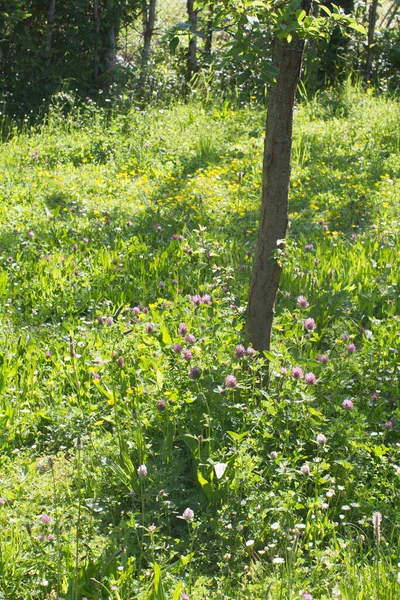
(173, 44)
(242, 77)
(357, 27)
(159, 379)
(237, 437)
(158, 584)
(325, 9)
(166, 338)
(177, 592)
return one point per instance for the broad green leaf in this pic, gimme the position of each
(159, 378)
(357, 27)
(166, 338)
(237, 437)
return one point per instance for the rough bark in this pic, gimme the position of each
(192, 64)
(372, 14)
(275, 190)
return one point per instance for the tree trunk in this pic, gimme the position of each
(275, 190)
(149, 18)
(371, 34)
(209, 38)
(112, 16)
(96, 18)
(50, 21)
(192, 65)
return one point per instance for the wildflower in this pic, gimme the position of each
(158, 228)
(96, 376)
(376, 521)
(149, 327)
(177, 348)
(305, 469)
(161, 405)
(2, 501)
(309, 324)
(48, 354)
(345, 337)
(278, 560)
(174, 282)
(142, 471)
(284, 371)
(310, 378)
(182, 329)
(152, 528)
(188, 355)
(51, 537)
(309, 246)
(250, 351)
(136, 310)
(321, 439)
(46, 520)
(388, 424)
(324, 358)
(302, 302)
(189, 338)
(85, 239)
(121, 362)
(161, 284)
(230, 381)
(206, 299)
(100, 320)
(273, 455)
(347, 404)
(307, 596)
(351, 348)
(75, 247)
(185, 597)
(196, 300)
(31, 235)
(240, 351)
(128, 223)
(194, 373)
(297, 373)
(109, 321)
(188, 514)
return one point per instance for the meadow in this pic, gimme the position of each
(145, 451)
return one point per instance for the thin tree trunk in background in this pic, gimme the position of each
(275, 190)
(192, 65)
(96, 18)
(392, 16)
(50, 20)
(149, 18)
(110, 39)
(210, 25)
(371, 34)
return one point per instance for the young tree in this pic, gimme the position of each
(294, 23)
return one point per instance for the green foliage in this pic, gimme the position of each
(39, 58)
